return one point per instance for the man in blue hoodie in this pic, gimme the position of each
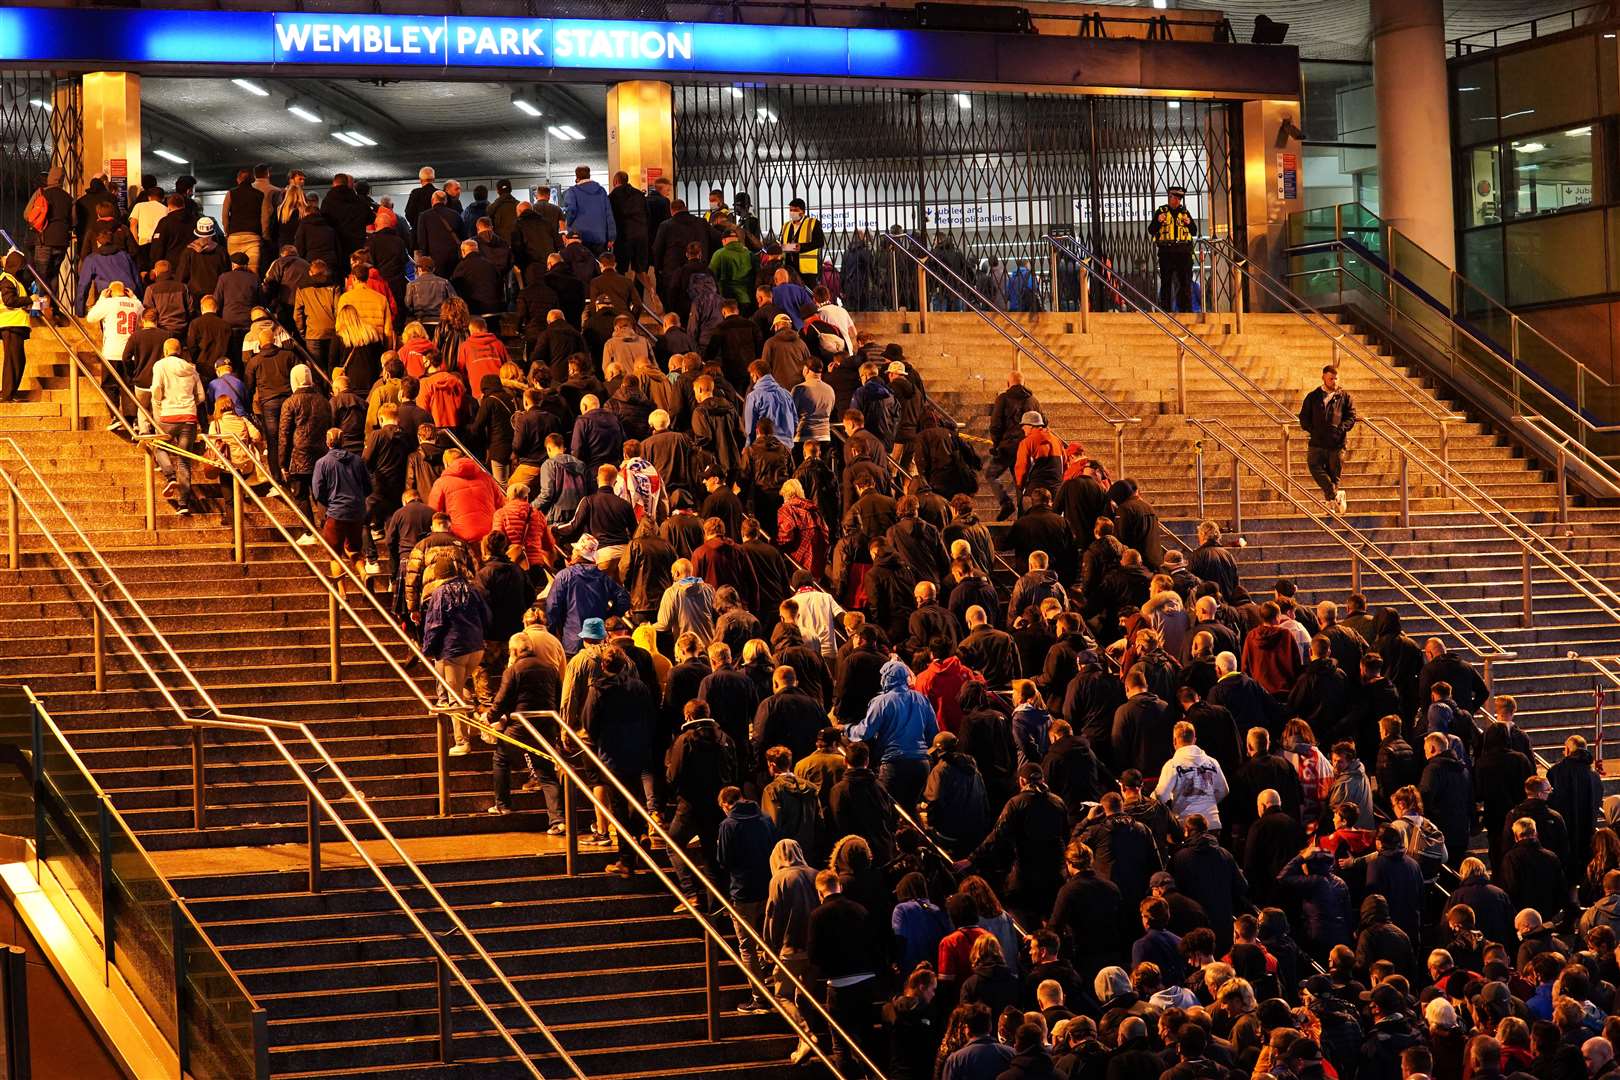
(768, 399)
(589, 211)
(900, 724)
(742, 852)
(340, 484)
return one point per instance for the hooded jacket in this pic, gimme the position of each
(1271, 657)
(958, 808)
(794, 807)
(618, 718)
(899, 719)
(1192, 782)
(341, 484)
(454, 618)
(790, 898)
(1378, 938)
(201, 264)
(589, 213)
(106, 265)
(470, 496)
(1323, 897)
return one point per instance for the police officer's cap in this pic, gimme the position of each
(1178, 191)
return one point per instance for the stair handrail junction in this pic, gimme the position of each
(220, 718)
(1099, 403)
(1364, 549)
(1509, 383)
(713, 935)
(111, 822)
(1337, 335)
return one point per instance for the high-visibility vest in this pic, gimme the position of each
(809, 258)
(9, 316)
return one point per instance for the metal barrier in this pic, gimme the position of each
(714, 938)
(317, 803)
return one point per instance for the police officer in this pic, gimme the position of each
(802, 241)
(14, 304)
(717, 206)
(1172, 230)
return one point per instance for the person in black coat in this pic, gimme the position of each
(1532, 876)
(618, 717)
(1374, 699)
(669, 247)
(1027, 838)
(387, 251)
(986, 736)
(1378, 938)
(317, 238)
(1577, 796)
(1125, 852)
(1137, 523)
(1448, 796)
(1072, 770)
(700, 764)
(1499, 776)
(1209, 874)
(438, 235)
(1086, 902)
(1467, 688)
(350, 213)
(789, 717)
(1275, 837)
(529, 685)
(1142, 727)
(860, 806)
(1393, 874)
(1550, 827)
(477, 281)
(1321, 694)
(1039, 528)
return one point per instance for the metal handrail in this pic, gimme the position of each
(268, 729)
(261, 1047)
(1609, 668)
(1338, 336)
(1099, 404)
(1465, 45)
(1364, 548)
(1544, 550)
(605, 774)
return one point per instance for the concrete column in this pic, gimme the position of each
(641, 130)
(1414, 123)
(112, 130)
(1272, 182)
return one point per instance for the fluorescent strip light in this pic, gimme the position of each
(1175, 104)
(41, 103)
(766, 115)
(169, 156)
(1576, 133)
(734, 91)
(361, 138)
(304, 114)
(1530, 147)
(252, 87)
(560, 133)
(525, 106)
(571, 132)
(345, 138)
(964, 101)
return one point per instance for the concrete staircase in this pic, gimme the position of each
(347, 983)
(1448, 546)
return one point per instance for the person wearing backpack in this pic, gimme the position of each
(50, 214)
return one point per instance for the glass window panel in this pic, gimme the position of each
(1482, 185)
(1554, 84)
(1550, 172)
(1555, 258)
(1474, 102)
(1608, 63)
(1482, 267)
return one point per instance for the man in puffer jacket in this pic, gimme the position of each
(468, 494)
(901, 724)
(1192, 782)
(305, 419)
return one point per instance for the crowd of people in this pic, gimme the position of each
(1105, 816)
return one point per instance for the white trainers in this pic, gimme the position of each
(307, 540)
(372, 567)
(1343, 501)
(800, 1052)
(461, 749)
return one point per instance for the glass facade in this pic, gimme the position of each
(1535, 138)
(1340, 154)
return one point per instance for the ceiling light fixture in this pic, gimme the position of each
(564, 132)
(302, 112)
(361, 138)
(1175, 104)
(252, 87)
(964, 101)
(346, 139)
(734, 91)
(1576, 133)
(766, 115)
(525, 106)
(41, 103)
(1529, 147)
(168, 155)
(571, 132)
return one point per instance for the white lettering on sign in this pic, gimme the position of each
(611, 45)
(505, 41)
(412, 39)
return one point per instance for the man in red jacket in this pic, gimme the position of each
(468, 494)
(1270, 654)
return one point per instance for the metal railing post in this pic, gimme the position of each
(261, 1044)
(1086, 295)
(13, 541)
(1445, 443)
(1487, 672)
(922, 298)
(98, 641)
(1119, 448)
(1529, 616)
(711, 987)
(570, 838)
(334, 635)
(199, 781)
(182, 1039)
(1237, 495)
(1563, 485)
(1355, 570)
(894, 277)
(1237, 298)
(447, 1033)
(108, 920)
(37, 745)
(1056, 293)
(1198, 472)
(1181, 378)
(1406, 495)
(441, 736)
(313, 825)
(1288, 457)
(151, 493)
(75, 408)
(238, 533)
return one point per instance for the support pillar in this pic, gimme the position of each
(1273, 184)
(1414, 125)
(112, 131)
(641, 130)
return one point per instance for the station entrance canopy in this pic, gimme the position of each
(423, 46)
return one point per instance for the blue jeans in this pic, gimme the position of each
(904, 781)
(178, 468)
